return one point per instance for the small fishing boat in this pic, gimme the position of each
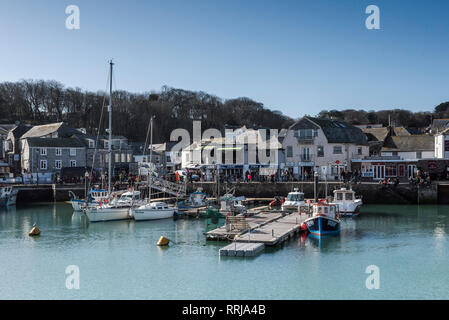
(325, 220)
(95, 197)
(9, 194)
(196, 199)
(293, 201)
(153, 211)
(231, 205)
(347, 202)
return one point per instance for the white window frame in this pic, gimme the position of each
(58, 152)
(72, 163)
(91, 144)
(43, 164)
(73, 152)
(58, 164)
(43, 152)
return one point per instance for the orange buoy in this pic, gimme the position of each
(34, 231)
(163, 241)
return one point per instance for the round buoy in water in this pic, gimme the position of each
(163, 241)
(35, 231)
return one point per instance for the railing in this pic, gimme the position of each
(175, 189)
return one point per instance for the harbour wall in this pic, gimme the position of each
(372, 193)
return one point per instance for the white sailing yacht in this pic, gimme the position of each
(113, 210)
(152, 210)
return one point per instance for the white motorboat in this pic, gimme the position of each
(294, 200)
(348, 204)
(9, 194)
(153, 211)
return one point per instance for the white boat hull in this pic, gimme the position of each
(107, 214)
(152, 214)
(349, 209)
(291, 205)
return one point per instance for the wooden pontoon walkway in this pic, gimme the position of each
(253, 223)
(274, 232)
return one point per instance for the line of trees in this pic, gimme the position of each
(39, 101)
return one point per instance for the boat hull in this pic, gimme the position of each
(351, 209)
(152, 214)
(107, 214)
(322, 226)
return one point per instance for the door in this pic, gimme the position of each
(411, 170)
(379, 172)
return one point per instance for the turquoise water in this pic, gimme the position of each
(120, 260)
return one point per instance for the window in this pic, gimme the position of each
(359, 151)
(306, 133)
(73, 163)
(72, 152)
(43, 151)
(58, 151)
(106, 144)
(418, 154)
(339, 196)
(43, 165)
(390, 170)
(289, 151)
(394, 153)
(91, 144)
(348, 196)
(320, 151)
(58, 164)
(337, 150)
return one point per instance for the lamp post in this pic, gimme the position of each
(37, 167)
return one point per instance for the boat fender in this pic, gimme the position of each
(163, 241)
(303, 227)
(34, 231)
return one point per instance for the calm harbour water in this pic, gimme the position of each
(120, 260)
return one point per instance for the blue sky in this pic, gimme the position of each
(298, 57)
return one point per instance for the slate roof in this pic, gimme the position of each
(376, 134)
(63, 130)
(409, 143)
(55, 143)
(20, 130)
(337, 131)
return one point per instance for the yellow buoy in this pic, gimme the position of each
(163, 241)
(35, 231)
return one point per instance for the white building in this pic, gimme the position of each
(442, 145)
(322, 145)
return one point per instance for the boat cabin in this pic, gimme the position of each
(325, 209)
(343, 194)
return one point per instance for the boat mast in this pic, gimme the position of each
(151, 157)
(110, 128)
